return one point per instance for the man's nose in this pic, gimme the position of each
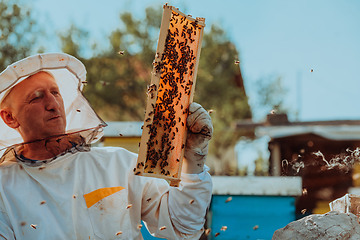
(51, 103)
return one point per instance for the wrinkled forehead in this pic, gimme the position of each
(31, 83)
(67, 83)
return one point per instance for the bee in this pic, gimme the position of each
(120, 135)
(139, 226)
(33, 226)
(148, 200)
(74, 196)
(256, 227)
(41, 168)
(162, 228)
(303, 211)
(210, 111)
(272, 111)
(304, 191)
(42, 202)
(84, 82)
(228, 199)
(129, 206)
(23, 223)
(237, 62)
(217, 234)
(191, 201)
(311, 70)
(121, 52)
(118, 233)
(223, 228)
(104, 83)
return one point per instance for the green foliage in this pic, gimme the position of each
(18, 32)
(270, 95)
(219, 87)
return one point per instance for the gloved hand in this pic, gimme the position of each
(200, 130)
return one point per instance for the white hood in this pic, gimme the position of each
(70, 75)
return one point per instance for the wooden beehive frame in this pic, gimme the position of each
(169, 95)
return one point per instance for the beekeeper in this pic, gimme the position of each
(54, 186)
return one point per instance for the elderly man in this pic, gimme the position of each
(53, 186)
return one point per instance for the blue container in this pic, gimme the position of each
(250, 217)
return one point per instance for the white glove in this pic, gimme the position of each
(200, 130)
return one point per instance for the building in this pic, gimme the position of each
(323, 153)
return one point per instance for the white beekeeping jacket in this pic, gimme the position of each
(95, 195)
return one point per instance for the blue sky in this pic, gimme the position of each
(277, 38)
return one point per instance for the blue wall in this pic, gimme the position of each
(244, 212)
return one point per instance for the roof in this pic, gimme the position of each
(126, 129)
(261, 186)
(278, 126)
(332, 132)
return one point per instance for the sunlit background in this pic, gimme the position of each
(299, 58)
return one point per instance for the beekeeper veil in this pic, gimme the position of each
(70, 75)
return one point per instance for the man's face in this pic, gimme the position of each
(38, 108)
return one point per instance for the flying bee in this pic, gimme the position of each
(237, 62)
(304, 191)
(256, 227)
(74, 196)
(33, 226)
(84, 82)
(228, 199)
(148, 200)
(139, 226)
(191, 201)
(23, 223)
(223, 228)
(78, 110)
(41, 168)
(217, 234)
(303, 211)
(104, 83)
(121, 52)
(129, 206)
(207, 231)
(210, 111)
(42, 202)
(118, 233)
(162, 228)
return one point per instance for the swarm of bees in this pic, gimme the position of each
(165, 123)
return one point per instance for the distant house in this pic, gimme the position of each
(296, 148)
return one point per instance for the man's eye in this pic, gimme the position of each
(56, 93)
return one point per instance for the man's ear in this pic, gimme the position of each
(8, 118)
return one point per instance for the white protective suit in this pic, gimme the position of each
(89, 193)
(54, 197)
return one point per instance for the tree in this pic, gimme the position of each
(18, 30)
(220, 87)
